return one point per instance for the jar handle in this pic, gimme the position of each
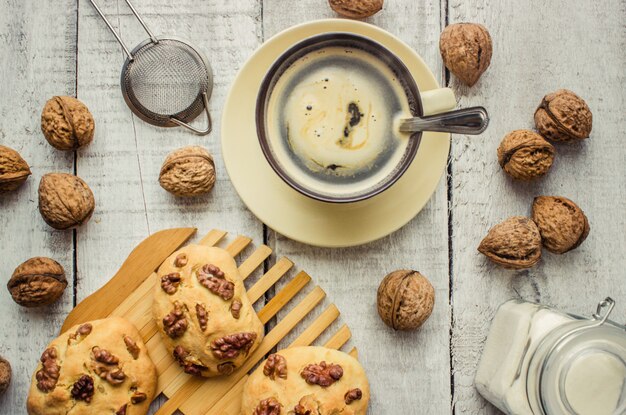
(608, 303)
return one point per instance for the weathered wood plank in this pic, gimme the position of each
(37, 61)
(396, 362)
(539, 47)
(123, 163)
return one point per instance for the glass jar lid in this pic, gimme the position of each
(584, 369)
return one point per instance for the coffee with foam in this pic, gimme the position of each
(332, 118)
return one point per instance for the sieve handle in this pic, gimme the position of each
(117, 36)
(206, 131)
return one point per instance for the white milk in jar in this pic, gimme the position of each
(539, 361)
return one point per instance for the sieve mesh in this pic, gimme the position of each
(165, 80)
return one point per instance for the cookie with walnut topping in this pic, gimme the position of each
(99, 367)
(307, 381)
(203, 312)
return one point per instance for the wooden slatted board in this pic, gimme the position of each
(215, 396)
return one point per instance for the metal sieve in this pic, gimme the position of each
(165, 81)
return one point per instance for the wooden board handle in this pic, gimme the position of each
(141, 262)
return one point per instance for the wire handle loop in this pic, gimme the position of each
(197, 131)
(608, 303)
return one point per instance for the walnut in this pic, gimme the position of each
(514, 243)
(308, 405)
(301, 410)
(229, 347)
(112, 374)
(188, 171)
(226, 368)
(13, 170)
(235, 309)
(83, 389)
(104, 356)
(322, 374)
(37, 282)
(84, 330)
(48, 375)
(181, 354)
(180, 261)
(269, 406)
(67, 123)
(353, 395)
(175, 323)
(466, 50)
(562, 224)
(170, 282)
(212, 270)
(275, 365)
(106, 366)
(65, 200)
(138, 397)
(405, 299)
(5, 375)
(525, 155)
(122, 410)
(356, 9)
(193, 369)
(563, 116)
(211, 277)
(203, 316)
(81, 332)
(132, 347)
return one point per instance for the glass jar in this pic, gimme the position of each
(540, 361)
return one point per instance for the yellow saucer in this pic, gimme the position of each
(299, 217)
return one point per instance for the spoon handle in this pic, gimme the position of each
(472, 121)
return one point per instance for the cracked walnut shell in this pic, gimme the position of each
(13, 170)
(188, 171)
(514, 243)
(37, 282)
(65, 200)
(466, 50)
(563, 116)
(356, 9)
(67, 123)
(525, 155)
(405, 299)
(5, 374)
(562, 224)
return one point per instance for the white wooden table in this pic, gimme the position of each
(62, 48)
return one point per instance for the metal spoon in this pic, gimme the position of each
(472, 121)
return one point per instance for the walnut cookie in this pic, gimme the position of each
(203, 312)
(307, 381)
(98, 367)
